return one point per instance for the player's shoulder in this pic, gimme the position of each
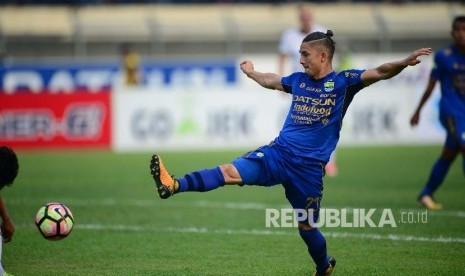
(445, 52)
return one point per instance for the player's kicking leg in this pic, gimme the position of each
(199, 181)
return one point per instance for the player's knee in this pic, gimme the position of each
(462, 149)
(450, 154)
(231, 174)
(305, 227)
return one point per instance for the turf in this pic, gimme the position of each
(123, 228)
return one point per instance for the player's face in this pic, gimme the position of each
(458, 34)
(311, 58)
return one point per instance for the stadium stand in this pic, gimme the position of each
(416, 21)
(113, 23)
(45, 22)
(158, 30)
(189, 23)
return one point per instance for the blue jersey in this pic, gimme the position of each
(449, 69)
(314, 121)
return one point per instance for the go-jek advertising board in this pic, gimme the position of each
(179, 120)
(245, 120)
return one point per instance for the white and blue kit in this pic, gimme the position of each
(296, 158)
(449, 70)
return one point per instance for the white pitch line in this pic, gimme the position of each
(208, 204)
(260, 232)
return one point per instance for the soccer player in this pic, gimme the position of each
(449, 70)
(8, 172)
(289, 47)
(296, 158)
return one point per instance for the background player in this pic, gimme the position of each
(8, 171)
(295, 159)
(449, 70)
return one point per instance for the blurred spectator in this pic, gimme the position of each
(131, 64)
(292, 38)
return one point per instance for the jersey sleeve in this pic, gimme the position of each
(353, 79)
(288, 81)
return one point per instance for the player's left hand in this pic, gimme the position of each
(8, 228)
(413, 60)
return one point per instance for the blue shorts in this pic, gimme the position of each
(302, 179)
(455, 128)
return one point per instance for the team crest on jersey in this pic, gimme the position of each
(302, 85)
(260, 154)
(329, 86)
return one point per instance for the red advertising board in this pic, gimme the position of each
(55, 120)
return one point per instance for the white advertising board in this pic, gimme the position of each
(196, 120)
(246, 115)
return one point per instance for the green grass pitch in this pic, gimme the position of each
(123, 228)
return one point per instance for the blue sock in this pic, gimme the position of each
(316, 245)
(438, 173)
(201, 181)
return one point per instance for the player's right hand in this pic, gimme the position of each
(247, 67)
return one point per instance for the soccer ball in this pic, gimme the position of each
(54, 221)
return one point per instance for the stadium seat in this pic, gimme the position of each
(260, 22)
(416, 21)
(36, 22)
(113, 23)
(348, 20)
(188, 23)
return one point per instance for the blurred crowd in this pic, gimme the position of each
(103, 2)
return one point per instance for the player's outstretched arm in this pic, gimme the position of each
(267, 80)
(390, 69)
(428, 91)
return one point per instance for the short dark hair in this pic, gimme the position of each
(458, 19)
(325, 40)
(8, 166)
